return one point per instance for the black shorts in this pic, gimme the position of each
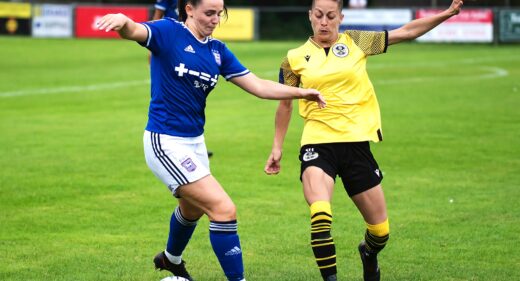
(352, 161)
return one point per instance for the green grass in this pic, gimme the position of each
(77, 201)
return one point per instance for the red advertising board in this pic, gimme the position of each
(465, 15)
(87, 16)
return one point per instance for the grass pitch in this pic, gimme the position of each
(77, 201)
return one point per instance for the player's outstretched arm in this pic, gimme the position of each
(157, 14)
(125, 26)
(418, 27)
(267, 89)
(282, 119)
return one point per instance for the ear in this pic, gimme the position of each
(310, 14)
(341, 17)
(189, 10)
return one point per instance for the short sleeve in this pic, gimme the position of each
(287, 76)
(230, 66)
(159, 35)
(371, 42)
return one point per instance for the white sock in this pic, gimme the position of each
(173, 259)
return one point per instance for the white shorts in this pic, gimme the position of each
(176, 161)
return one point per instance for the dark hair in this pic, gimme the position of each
(181, 6)
(340, 4)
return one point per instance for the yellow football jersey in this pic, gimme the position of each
(352, 112)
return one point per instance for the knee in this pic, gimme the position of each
(224, 210)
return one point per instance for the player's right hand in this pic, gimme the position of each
(112, 22)
(272, 167)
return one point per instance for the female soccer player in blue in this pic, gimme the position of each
(335, 140)
(185, 66)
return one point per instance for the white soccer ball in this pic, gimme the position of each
(174, 278)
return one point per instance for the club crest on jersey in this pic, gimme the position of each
(310, 154)
(189, 165)
(216, 54)
(340, 50)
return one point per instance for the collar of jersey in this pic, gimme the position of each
(319, 46)
(202, 42)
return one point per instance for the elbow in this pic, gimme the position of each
(408, 35)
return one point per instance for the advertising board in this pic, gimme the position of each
(52, 21)
(87, 16)
(471, 25)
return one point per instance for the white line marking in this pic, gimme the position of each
(68, 89)
(490, 73)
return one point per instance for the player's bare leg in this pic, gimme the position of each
(208, 197)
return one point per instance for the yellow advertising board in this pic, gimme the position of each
(239, 25)
(15, 10)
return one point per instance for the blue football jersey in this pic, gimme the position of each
(183, 72)
(169, 7)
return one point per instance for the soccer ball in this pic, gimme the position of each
(174, 278)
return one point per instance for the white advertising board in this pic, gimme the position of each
(52, 21)
(375, 19)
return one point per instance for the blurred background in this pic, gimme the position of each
(482, 21)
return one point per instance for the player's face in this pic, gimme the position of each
(325, 19)
(206, 16)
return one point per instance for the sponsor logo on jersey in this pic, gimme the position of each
(340, 50)
(189, 49)
(216, 54)
(307, 57)
(235, 251)
(204, 77)
(189, 165)
(310, 154)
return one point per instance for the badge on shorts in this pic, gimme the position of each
(189, 165)
(340, 50)
(310, 154)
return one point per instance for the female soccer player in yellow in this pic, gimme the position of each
(335, 140)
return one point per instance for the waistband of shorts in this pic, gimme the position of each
(185, 140)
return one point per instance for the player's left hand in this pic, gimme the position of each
(455, 7)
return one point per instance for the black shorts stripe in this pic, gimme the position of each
(160, 158)
(171, 162)
(165, 161)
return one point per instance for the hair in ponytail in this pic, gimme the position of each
(181, 7)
